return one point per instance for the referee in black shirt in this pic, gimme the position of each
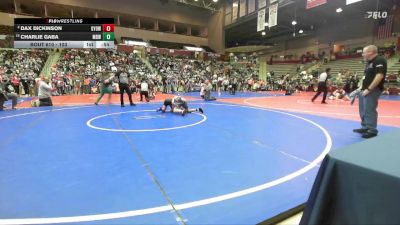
(322, 85)
(123, 81)
(372, 87)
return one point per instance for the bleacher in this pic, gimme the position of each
(357, 66)
(394, 68)
(392, 79)
(354, 65)
(282, 69)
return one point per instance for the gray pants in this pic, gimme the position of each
(208, 97)
(11, 96)
(368, 113)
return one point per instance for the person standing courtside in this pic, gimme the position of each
(371, 89)
(123, 82)
(323, 85)
(144, 90)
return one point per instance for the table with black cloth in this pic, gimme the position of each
(358, 184)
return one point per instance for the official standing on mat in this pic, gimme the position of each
(323, 85)
(371, 89)
(123, 82)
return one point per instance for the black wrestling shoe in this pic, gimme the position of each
(122, 105)
(360, 130)
(368, 135)
(183, 112)
(201, 110)
(133, 104)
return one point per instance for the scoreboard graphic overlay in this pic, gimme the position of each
(64, 33)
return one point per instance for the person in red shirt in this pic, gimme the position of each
(86, 85)
(15, 83)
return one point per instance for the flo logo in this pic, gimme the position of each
(376, 15)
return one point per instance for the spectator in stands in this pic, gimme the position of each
(77, 82)
(219, 84)
(202, 90)
(386, 91)
(86, 85)
(15, 83)
(32, 86)
(372, 87)
(24, 83)
(323, 85)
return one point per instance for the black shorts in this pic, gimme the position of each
(168, 102)
(45, 102)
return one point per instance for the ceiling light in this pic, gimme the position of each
(294, 22)
(263, 33)
(266, 24)
(215, 0)
(301, 31)
(235, 4)
(339, 10)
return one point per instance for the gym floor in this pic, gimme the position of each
(248, 158)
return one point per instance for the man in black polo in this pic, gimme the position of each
(372, 87)
(123, 81)
(322, 85)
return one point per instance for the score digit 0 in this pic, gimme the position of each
(108, 27)
(108, 36)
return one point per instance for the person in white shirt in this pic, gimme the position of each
(322, 85)
(45, 90)
(144, 90)
(202, 90)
